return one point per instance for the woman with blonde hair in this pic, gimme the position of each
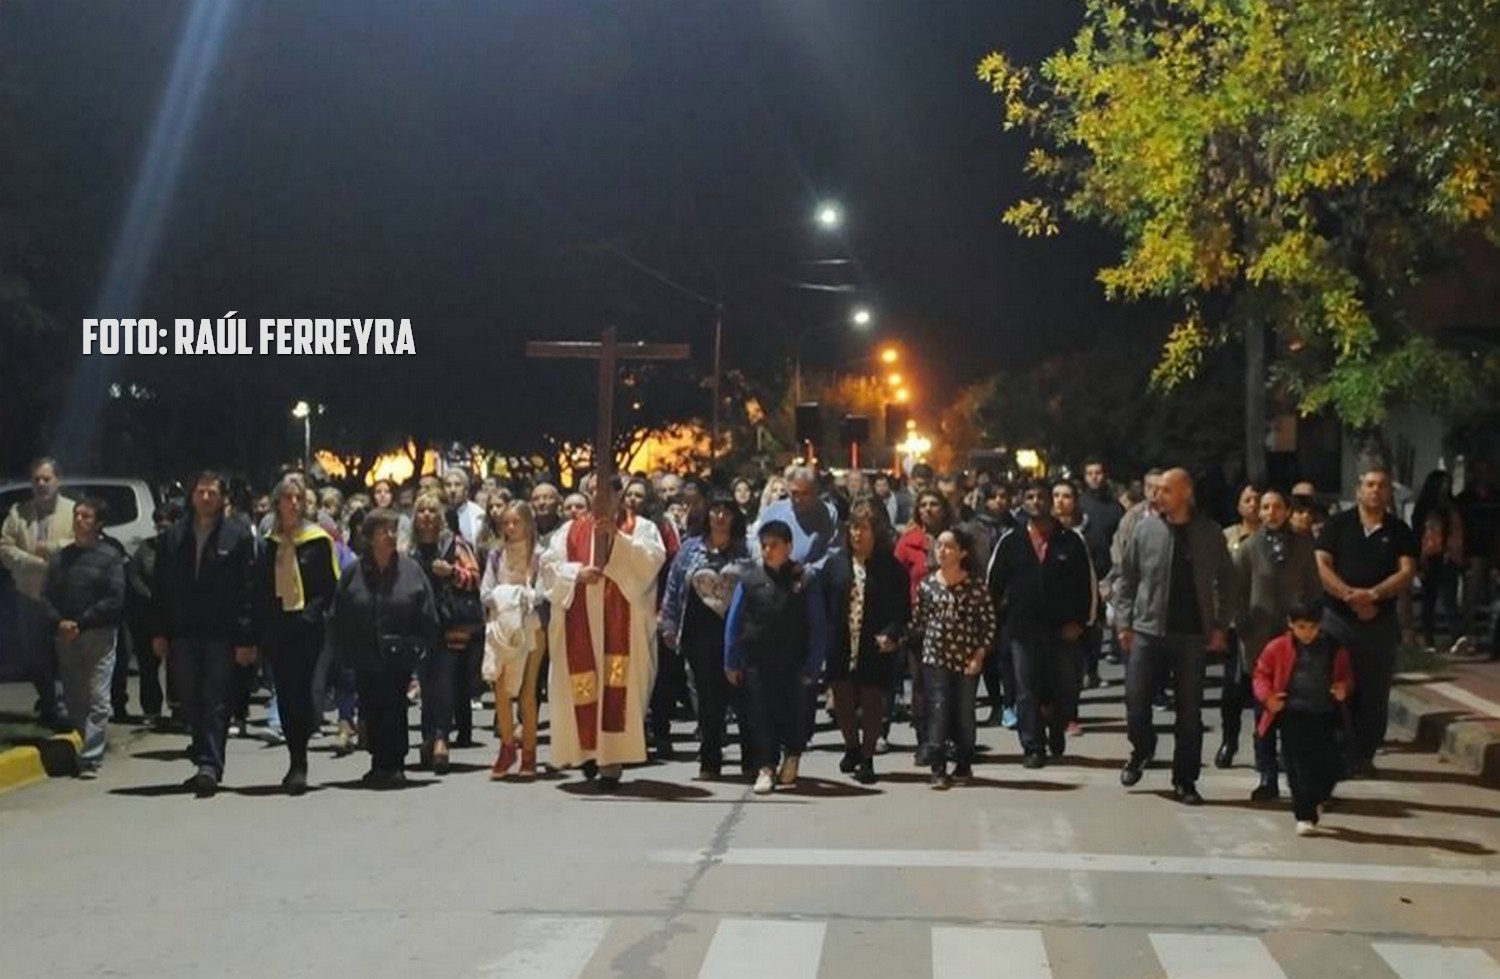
(514, 640)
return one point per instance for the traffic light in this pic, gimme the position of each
(809, 422)
(895, 422)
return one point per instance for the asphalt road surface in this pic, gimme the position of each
(1023, 874)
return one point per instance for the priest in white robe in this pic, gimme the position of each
(602, 636)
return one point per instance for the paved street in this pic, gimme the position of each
(1025, 874)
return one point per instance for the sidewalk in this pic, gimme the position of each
(1453, 709)
(29, 753)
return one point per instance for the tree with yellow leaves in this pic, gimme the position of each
(1276, 164)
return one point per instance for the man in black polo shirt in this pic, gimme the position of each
(1366, 558)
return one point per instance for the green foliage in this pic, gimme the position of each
(1303, 163)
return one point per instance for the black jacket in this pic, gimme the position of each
(85, 585)
(776, 623)
(1038, 598)
(318, 565)
(214, 601)
(887, 612)
(377, 610)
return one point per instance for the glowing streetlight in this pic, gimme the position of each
(903, 396)
(889, 355)
(894, 380)
(829, 216)
(862, 317)
(304, 411)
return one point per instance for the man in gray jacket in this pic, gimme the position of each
(1173, 600)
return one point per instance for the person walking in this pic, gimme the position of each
(869, 608)
(1173, 602)
(515, 640)
(296, 581)
(83, 597)
(700, 587)
(384, 623)
(34, 531)
(453, 575)
(1275, 570)
(1439, 527)
(1367, 558)
(775, 639)
(1304, 682)
(954, 625)
(203, 591)
(1042, 580)
(916, 550)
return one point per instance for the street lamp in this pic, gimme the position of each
(860, 318)
(903, 396)
(304, 411)
(889, 355)
(894, 379)
(829, 216)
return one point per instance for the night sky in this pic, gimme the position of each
(479, 167)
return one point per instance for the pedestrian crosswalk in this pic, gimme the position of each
(768, 948)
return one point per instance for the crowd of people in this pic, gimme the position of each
(657, 597)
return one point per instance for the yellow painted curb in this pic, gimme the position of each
(20, 766)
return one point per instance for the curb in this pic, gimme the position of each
(1470, 745)
(48, 757)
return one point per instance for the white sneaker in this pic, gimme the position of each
(1306, 827)
(788, 773)
(764, 782)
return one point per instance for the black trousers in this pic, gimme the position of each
(1309, 750)
(150, 668)
(441, 690)
(999, 673)
(860, 710)
(950, 714)
(715, 696)
(203, 668)
(294, 661)
(777, 702)
(1047, 677)
(670, 689)
(382, 706)
(1151, 658)
(34, 634)
(1372, 652)
(466, 685)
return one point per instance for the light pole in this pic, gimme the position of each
(829, 217)
(860, 318)
(304, 411)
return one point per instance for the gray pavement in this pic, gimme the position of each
(1058, 872)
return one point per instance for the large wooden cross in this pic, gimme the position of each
(609, 352)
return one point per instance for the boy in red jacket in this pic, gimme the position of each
(1303, 681)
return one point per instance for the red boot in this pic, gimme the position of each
(528, 762)
(503, 762)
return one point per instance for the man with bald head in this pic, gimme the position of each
(1173, 600)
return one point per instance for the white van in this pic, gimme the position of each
(129, 504)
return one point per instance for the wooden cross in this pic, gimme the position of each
(608, 351)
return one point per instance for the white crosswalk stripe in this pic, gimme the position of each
(1215, 957)
(752, 949)
(1437, 961)
(969, 953)
(555, 947)
(549, 948)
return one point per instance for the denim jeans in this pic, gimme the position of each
(950, 710)
(86, 666)
(1147, 662)
(203, 668)
(439, 691)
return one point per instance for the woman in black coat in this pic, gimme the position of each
(295, 583)
(868, 608)
(384, 622)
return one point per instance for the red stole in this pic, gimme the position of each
(583, 669)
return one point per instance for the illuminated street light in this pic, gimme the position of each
(894, 380)
(862, 317)
(829, 216)
(903, 396)
(304, 411)
(889, 355)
